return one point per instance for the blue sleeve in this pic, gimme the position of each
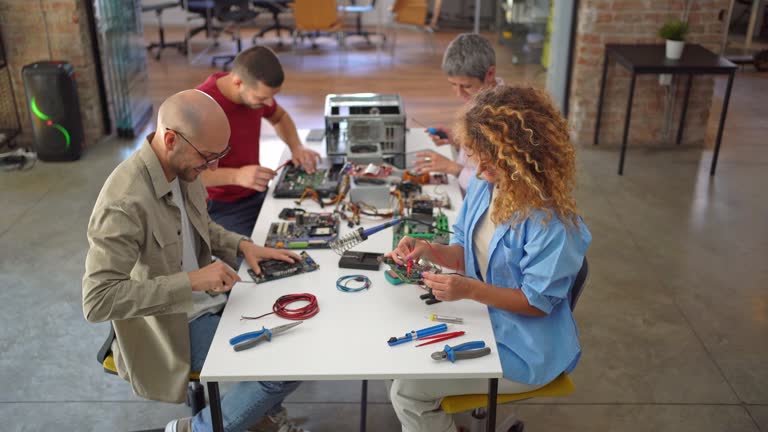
(552, 257)
(459, 233)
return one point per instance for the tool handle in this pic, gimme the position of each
(469, 346)
(251, 335)
(439, 133)
(431, 330)
(475, 353)
(250, 343)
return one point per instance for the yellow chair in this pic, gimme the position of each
(413, 14)
(195, 392)
(560, 386)
(311, 17)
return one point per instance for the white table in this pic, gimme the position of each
(347, 339)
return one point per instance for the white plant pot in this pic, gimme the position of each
(675, 49)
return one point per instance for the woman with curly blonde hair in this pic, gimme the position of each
(518, 241)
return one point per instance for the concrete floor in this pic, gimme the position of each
(674, 322)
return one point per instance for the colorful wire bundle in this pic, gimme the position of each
(342, 283)
(280, 308)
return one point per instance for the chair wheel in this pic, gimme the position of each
(517, 427)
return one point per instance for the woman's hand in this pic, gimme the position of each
(451, 287)
(408, 249)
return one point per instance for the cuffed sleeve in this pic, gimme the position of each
(109, 292)
(552, 258)
(224, 243)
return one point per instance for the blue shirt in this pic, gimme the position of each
(543, 261)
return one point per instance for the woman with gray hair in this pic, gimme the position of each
(469, 64)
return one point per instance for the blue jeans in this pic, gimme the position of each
(247, 402)
(239, 216)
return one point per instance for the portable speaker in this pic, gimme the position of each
(54, 110)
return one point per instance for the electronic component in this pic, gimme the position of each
(290, 213)
(306, 231)
(293, 181)
(423, 226)
(276, 269)
(360, 260)
(410, 273)
(369, 171)
(316, 135)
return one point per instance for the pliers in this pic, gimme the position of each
(468, 350)
(251, 339)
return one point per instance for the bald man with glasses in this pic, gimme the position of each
(149, 267)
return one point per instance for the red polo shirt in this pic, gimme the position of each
(245, 124)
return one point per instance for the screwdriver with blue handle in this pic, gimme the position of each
(431, 130)
(418, 334)
(251, 339)
(468, 350)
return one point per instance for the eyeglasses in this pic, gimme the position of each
(209, 160)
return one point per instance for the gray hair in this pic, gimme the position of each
(469, 55)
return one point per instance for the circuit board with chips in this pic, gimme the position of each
(276, 269)
(412, 275)
(305, 231)
(293, 181)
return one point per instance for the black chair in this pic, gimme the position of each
(195, 392)
(359, 10)
(275, 8)
(204, 10)
(233, 13)
(161, 44)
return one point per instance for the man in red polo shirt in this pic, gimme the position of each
(236, 190)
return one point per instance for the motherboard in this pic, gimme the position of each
(305, 231)
(423, 220)
(275, 269)
(293, 181)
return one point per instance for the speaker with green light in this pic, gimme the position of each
(54, 110)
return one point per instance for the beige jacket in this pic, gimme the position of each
(133, 272)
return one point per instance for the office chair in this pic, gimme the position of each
(359, 10)
(233, 13)
(311, 17)
(275, 8)
(203, 9)
(560, 386)
(413, 14)
(161, 44)
(195, 392)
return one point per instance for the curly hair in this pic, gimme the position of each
(520, 133)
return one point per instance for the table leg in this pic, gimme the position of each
(600, 100)
(215, 400)
(626, 123)
(363, 406)
(720, 127)
(493, 392)
(685, 109)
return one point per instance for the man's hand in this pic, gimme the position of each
(305, 158)
(428, 162)
(215, 277)
(450, 287)
(255, 254)
(437, 139)
(254, 177)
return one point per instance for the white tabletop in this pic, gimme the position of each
(347, 339)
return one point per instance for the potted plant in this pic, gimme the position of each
(674, 32)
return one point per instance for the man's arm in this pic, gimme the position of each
(220, 176)
(109, 293)
(286, 130)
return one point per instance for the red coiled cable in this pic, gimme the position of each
(280, 308)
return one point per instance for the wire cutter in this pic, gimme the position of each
(251, 339)
(468, 350)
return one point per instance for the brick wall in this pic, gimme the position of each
(637, 21)
(51, 30)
